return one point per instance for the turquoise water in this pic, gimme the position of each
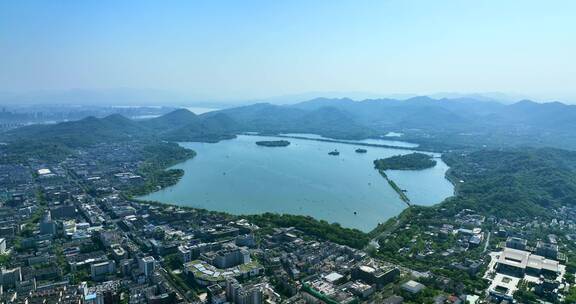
(239, 177)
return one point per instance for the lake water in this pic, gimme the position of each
(239, 177)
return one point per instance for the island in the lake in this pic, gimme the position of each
(413, 161)
(360, 150)
(273, 143)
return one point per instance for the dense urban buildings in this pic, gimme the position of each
(62, 242)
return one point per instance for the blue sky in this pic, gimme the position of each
(255, 49)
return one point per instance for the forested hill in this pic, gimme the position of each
(52, 142)
(179, 125)
(412, 161)
(433, 123)
(82, 132)
(515, 183)
(439, 125)
(273, 119)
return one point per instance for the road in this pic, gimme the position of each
(181, 293)
(487, 241)
(385, 233)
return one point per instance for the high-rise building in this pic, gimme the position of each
(547, 250)
(238, 294)
(47, 226)
(100, 270)
(185, 254)
(147, 265)
(227, 258)
(2, 245)
(10, 277)
(216, 294)
(516, 243)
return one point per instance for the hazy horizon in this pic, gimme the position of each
(151, 97)
(225, 51)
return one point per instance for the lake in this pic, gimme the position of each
(239, 177)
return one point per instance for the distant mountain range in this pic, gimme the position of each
(485, 96)
(155, 97)
(435, 123)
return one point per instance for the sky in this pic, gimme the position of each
(233, 50)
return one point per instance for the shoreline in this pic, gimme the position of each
(403, 197)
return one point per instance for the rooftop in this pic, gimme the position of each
(522, 259)
(333, 277)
